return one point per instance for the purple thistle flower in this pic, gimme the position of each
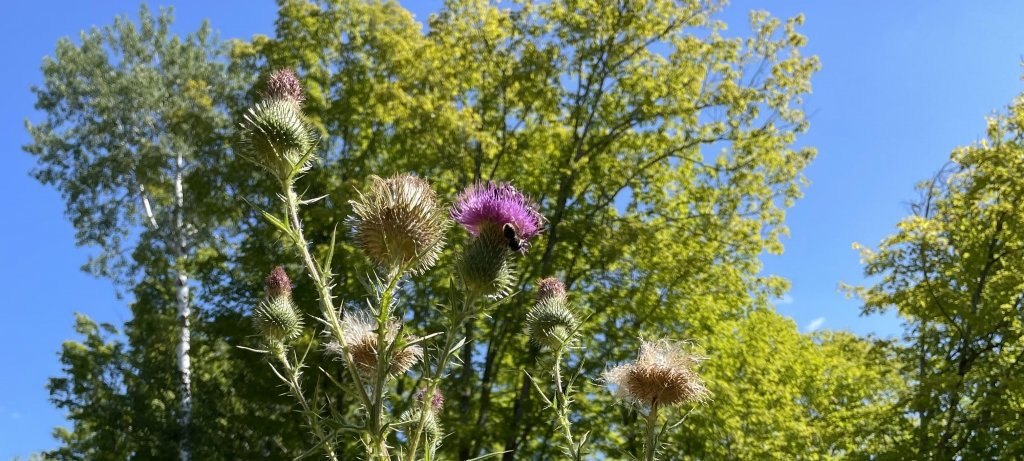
(493, 205)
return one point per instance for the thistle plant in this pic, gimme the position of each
(400, 225)
(552, 325)
(662, 376)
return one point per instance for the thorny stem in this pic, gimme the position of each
(323, 286)
(378, 447)
(434, 378)
(651, 441)
(562, 408)
(312, 418)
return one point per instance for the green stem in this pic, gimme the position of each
(312, 418)
(435, 378)
(562, 408)
(323, 285)
(385, 352)
(651, 441)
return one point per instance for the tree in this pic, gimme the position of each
(136, 136)
(658, 148)
(953, 271)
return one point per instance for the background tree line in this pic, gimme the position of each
(660, 151)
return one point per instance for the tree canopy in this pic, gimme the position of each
(953, 272)
(659, 147)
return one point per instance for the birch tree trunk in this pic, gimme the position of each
(184, 311)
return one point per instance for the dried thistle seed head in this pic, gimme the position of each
(277, 319)
(278, 284)
(499, 208)
(662, 375)
(362, 340)
(486, 267)
(550, 288)
(277, 138)
(398, 223)
(404, 358)
(550, 323)
(284, 84)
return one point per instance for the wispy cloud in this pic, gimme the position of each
(14, 415)
(815, 324)
(784, 300)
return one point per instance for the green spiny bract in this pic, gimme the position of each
(432, 428)
(550, 323)
(278, 138)
(486, 265)
(277, 320)
(398, 223)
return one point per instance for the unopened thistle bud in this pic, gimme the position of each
(502, 221)
(284, 84)
(436, 403)
(278, 283)
(274, 132)
(398, 223)
(362, 341)
(276, 317)
(551, 323)
(662, 375)
(550, 288)
(277, 320)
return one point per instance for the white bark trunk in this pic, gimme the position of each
(184, 311)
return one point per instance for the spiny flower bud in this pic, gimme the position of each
(550, 323)
(436, 399)
(550, 288)
(278, 284)
(284, 84)
(274, 132)
(432, 428)
(662, 375)
(398, 223)
(277, 320)
(361, 339)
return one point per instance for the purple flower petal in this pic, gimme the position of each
(490, 204)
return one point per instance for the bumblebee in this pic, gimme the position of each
(514, 243)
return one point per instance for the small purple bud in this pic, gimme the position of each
(284, 84)
(550, 288)
(436, 400)
(278, 283)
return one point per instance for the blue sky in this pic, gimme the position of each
(902, 84)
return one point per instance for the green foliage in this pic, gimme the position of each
(954, 272)
(122, 106)
(658, 147)
(659, 153)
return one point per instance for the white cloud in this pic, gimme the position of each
(815, 324)
(784, 300)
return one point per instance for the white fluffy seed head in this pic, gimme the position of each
(663, 374)
(362, 341)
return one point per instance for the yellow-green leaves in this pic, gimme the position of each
(954, 271)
